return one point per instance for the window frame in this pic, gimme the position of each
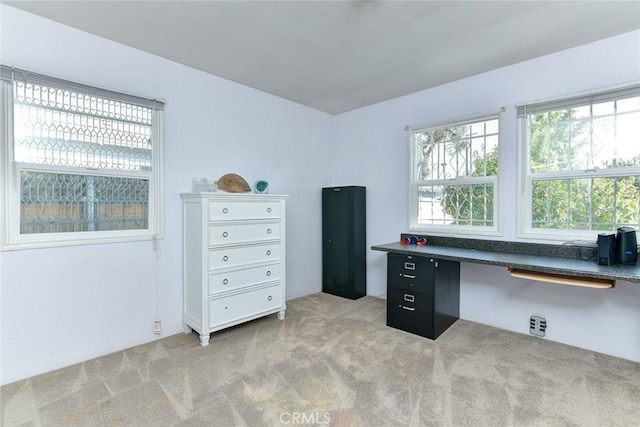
(10, 236)
(525, 177)
(414, 184)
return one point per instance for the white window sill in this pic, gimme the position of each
(467, 232)
(54, 243)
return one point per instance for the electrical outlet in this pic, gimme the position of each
(157, 326)
(537, 325)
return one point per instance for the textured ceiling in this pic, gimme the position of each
(337, 56)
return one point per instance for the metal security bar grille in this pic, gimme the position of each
(583, 170)
(455, 173)
(469, 204)
(58, 203)
(63, 128)
(83, 157)
(460, 151)
(602, 204)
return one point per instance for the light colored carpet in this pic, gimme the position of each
(333, 361)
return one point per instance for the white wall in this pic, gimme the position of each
(64, 305)
(604, 321)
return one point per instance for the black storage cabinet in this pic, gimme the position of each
(423, 294)
(344, 241)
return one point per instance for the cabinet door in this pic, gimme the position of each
(336, 235)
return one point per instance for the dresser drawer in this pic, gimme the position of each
(238, 233)
(247, 304)
(410, 273)
(220, 282)
(232, 257)
(239, 210)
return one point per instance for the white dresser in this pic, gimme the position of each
(234, 259)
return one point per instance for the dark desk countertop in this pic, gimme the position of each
(538, 263)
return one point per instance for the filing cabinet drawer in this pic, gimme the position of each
(412, 265)
(410, 311)
(410, 273)
(232, 257)
(242, 210)
(238, 233)
(220, 282)
(247, 304)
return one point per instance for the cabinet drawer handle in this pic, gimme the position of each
(225, 281)
(269, 210)
(409, 266)
(268, 272)
(270, 298)
(268, 252)
(225, 258)
(409, 298)
(225, 210)
(268, 231)
(408, 276)
(408, 308)
(225, 234)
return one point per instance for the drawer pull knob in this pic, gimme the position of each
(408, 276)
(268, 272)
(408, 308)
(225, 210)
(269, 210)
(225, 234)
(225, 258)
(409, 298)
(225, 281)
(268, 252)
(409, 266)
(270, 298)
(268, 231)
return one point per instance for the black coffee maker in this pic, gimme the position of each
(626, 246)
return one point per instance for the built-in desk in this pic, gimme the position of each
(564, 260)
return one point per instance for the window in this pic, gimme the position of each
(82, 164)
(581, 171)
(454, 176)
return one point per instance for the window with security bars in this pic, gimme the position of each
(582, 166)
(84, 161)
(454, 175)
(58, 203)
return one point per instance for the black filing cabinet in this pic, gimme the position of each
(423, 294)
(344, 241)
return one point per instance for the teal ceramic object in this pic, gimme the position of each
(261, 187)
